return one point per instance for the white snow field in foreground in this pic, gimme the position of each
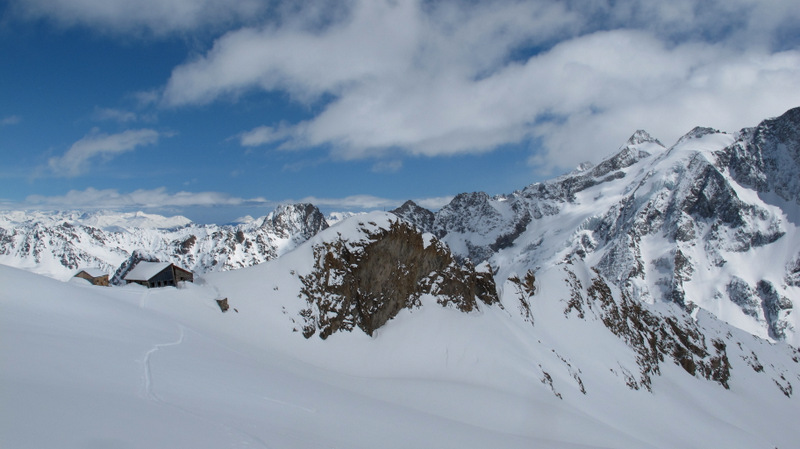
(127, 367)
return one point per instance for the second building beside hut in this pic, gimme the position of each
(94, 275)
(158, 274)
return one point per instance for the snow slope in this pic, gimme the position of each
(87, 366)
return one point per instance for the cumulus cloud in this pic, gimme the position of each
(448, 78)
(76, 160)
(139, 199)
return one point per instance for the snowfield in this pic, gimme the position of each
(128, 367)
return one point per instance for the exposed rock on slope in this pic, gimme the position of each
(767, 157)
(653, 337)
(366, 281)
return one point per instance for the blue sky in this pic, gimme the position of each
(219, 108)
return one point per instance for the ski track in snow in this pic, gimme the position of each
(248, 439)
(289, 404)
(148, 380)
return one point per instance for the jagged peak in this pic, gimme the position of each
(285, 208)
(469, 198)
(582, 167)
(417, 215)
(784, 127)
(408, 205)
(698, 132)
(289, 218)
(411, 208)
(641, 136)
(790, 116)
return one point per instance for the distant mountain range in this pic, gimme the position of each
(57, 244)
(710, 222)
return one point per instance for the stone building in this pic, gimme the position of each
(158, 274)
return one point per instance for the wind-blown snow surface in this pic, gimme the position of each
(128, 367)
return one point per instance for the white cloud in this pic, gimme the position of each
(76, 160)
(161, 198)
(434, 203)
(139, 199)
(10, 120)
(353, 202)
(370, 202)
(263, 135)
(388, 166)
(449, 78)
(156, 17)
(116, 115)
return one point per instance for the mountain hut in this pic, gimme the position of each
(158, 274)
(94, 275)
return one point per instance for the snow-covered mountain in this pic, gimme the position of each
(646, 301)
(710, 222)
(371, 334)
(58, 244)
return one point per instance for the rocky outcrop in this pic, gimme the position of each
(744, 296)
(793, 272)
(364, 283)
(776, 309)
(767, 157)
(653, 337)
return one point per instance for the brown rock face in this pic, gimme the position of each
(364, 284)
